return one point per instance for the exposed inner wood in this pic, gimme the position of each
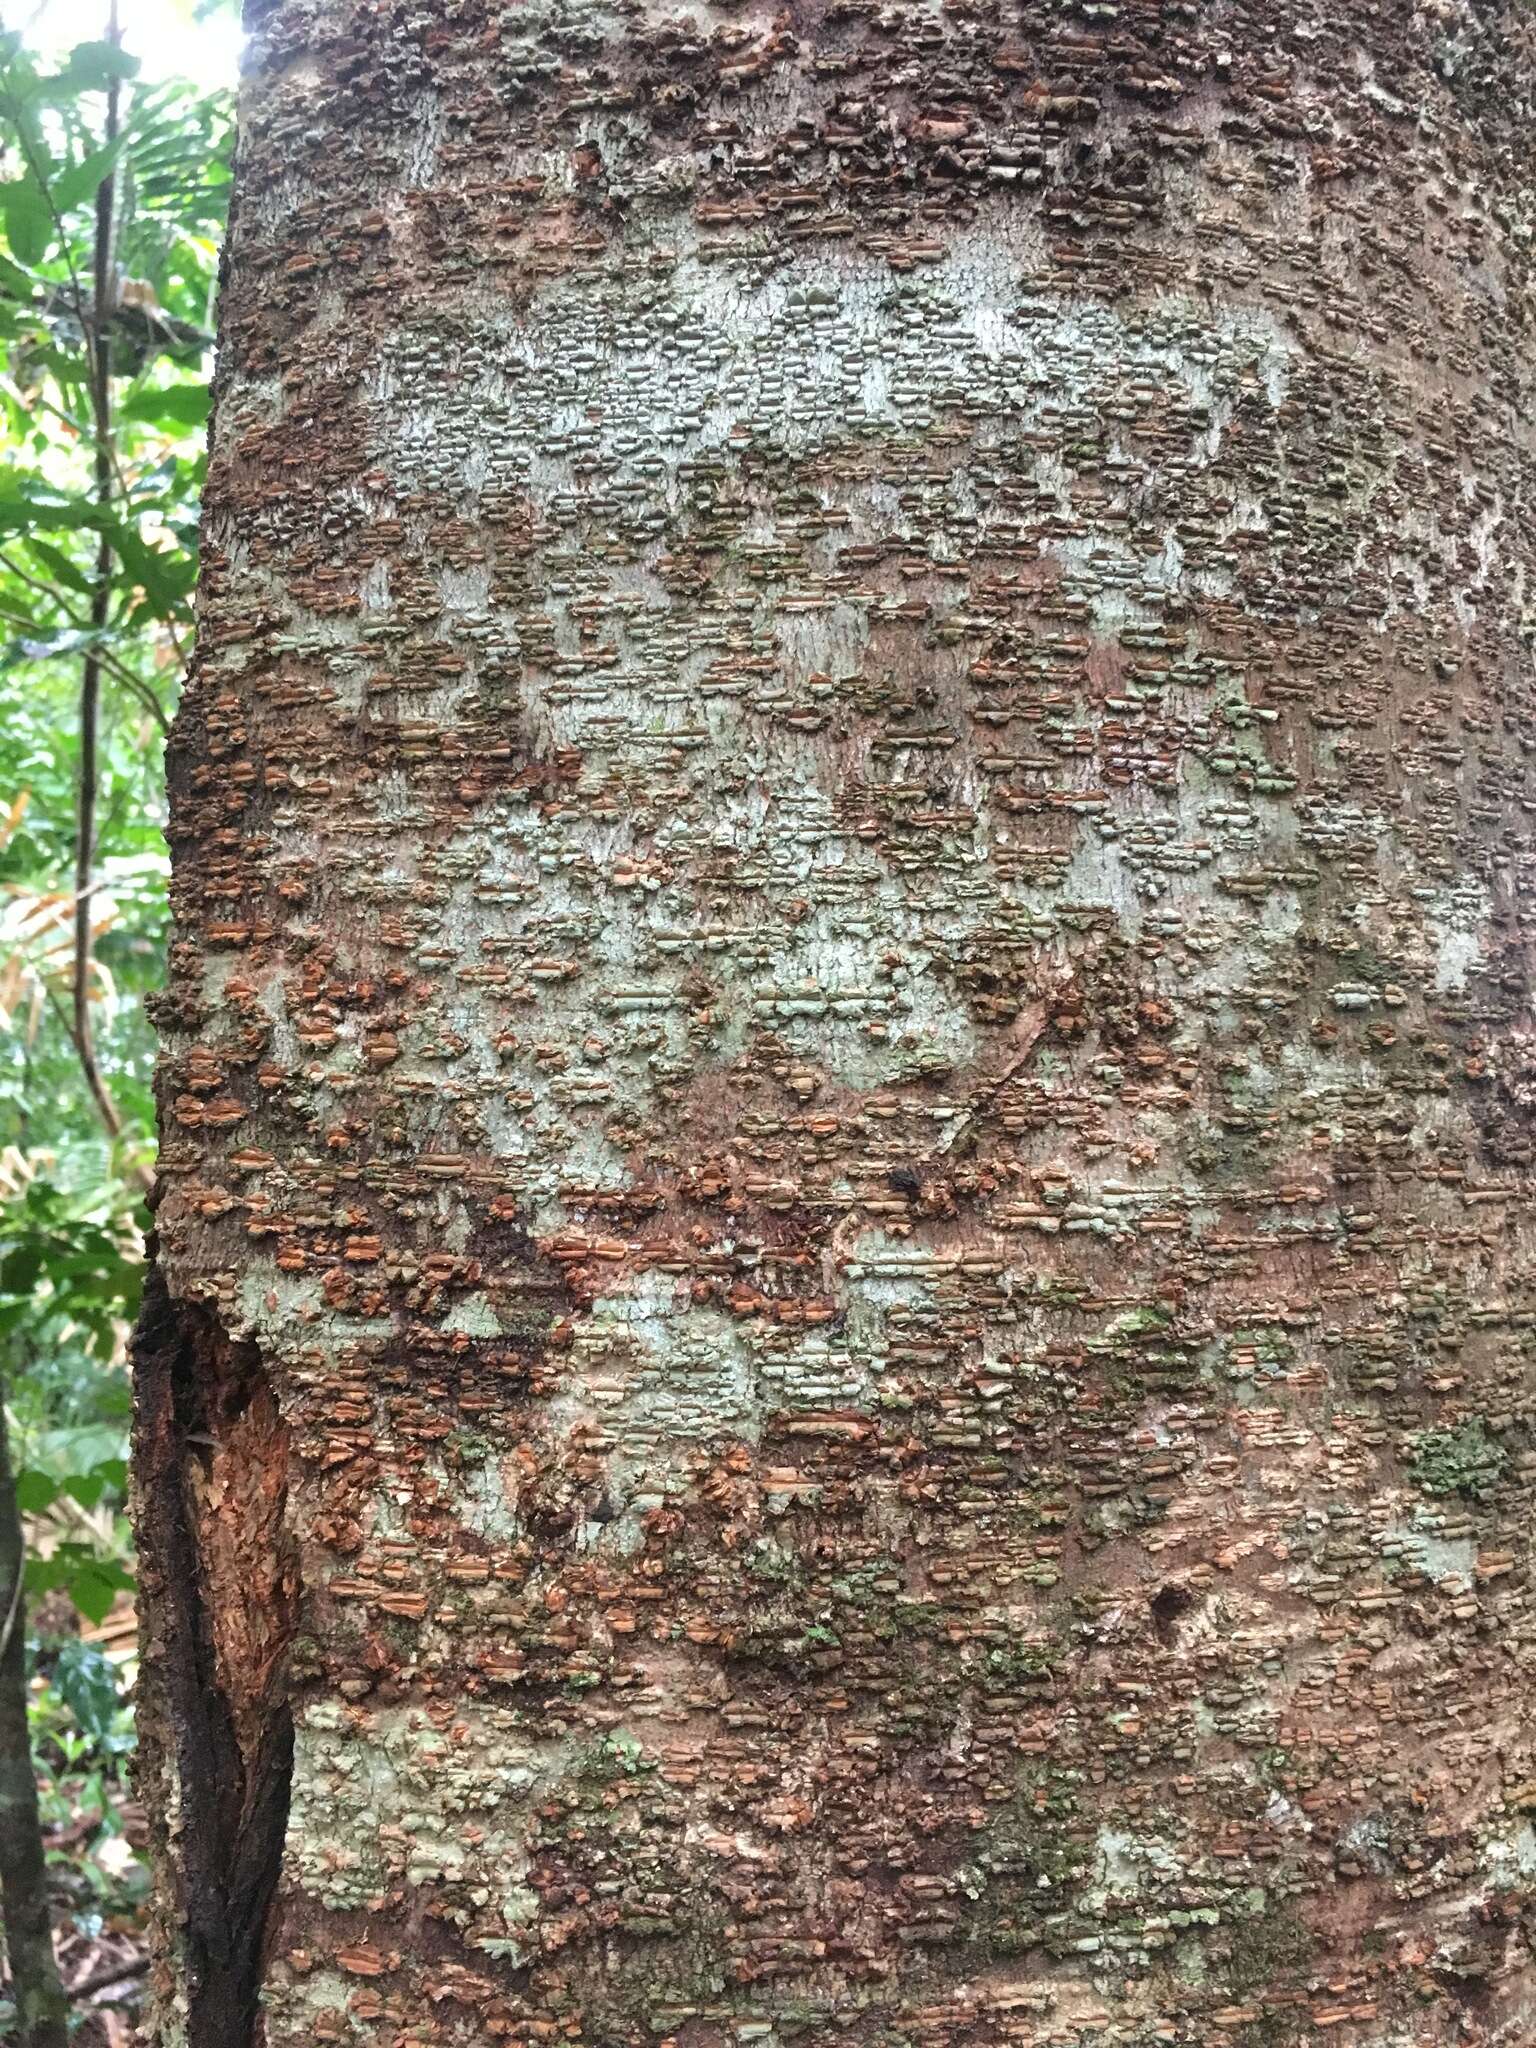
(218, 1596)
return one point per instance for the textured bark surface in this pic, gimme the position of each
(844, 1348)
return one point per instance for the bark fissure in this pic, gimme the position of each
(219, 1588)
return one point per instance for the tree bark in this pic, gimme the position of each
(842, 1348)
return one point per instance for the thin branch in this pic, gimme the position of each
(100, 344)
(111, 1973)
(13, 1609)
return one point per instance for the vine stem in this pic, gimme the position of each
(99, 339)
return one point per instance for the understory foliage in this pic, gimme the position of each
(104, 181)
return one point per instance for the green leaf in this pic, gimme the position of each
(82, 1449)
(85, 1487)
(166, 578)
(21, 90)
(29, 501)
(86, 1682)
(51, 646)
(20, 1269)
(179, 405)
(35, 1492)
(60, 566)
(15, 282)
(19, 82)
(44, 1575)
(28, 222)
(94, 1586)
(91, 67)
(74, 186)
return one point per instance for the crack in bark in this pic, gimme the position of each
(219, 1596)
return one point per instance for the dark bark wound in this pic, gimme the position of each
(218, 1593)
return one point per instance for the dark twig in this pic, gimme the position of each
(99, 341)
(109, 1973)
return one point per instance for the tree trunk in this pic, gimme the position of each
(843, 1337)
